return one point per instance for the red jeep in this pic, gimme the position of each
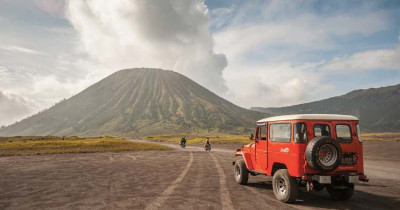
(313, 150)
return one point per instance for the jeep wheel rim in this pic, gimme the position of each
(237, 172)
(327, 155)
(281, 186)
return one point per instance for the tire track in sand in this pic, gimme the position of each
(273, 199)
(225, 197)
(272, 202)
(158, 202)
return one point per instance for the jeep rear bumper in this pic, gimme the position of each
(328, 179)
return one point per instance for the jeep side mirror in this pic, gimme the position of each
(251, 136)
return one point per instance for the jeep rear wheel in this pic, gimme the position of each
(240, 171)
(284, 186)
(340, 192)
(323, 154)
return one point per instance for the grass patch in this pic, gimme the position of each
(40, 138)
(380, 136)
(196, 139)
(37, 146)
(221, 138)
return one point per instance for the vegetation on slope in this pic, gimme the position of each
(47, 145)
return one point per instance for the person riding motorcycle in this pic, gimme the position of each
(207, 142)
(183, 141)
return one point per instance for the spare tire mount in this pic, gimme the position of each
(323, 154)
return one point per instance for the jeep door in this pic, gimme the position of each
(345, 133)
(339, 130)
(261, 148)
(280, 148)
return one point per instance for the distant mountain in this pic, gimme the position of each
(377, 108)
(139, 102)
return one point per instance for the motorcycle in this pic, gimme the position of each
(208, 147)
(183, 145)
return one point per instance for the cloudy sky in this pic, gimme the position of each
(253, 53)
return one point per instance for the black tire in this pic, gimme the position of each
(285, 187)
(207, 147)
(313, 153)
(343, 193)
(240, 171)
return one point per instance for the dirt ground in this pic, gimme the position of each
(187, 178)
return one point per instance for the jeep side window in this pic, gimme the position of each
(343, 133)
(280, 132)
(262, 132)
(300, 132)
(321, 130)
(359, 133)
(257, 133)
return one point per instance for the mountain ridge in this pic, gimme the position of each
(377, 108)
(139, 101)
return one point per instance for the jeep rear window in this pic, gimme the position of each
(343, 133)
(322, 130)
(300, 132)
(280, 132)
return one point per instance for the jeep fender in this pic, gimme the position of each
(276, 166)
(247, 159)
(282, 165)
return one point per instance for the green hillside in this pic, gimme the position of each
(377, 108)
(139, 102)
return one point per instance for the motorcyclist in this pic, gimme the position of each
(207, 142)
(183, 141)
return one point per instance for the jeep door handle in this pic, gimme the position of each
(265, 152)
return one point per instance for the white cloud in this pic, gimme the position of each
(18, 49)
(366, 60)
(276, 49)
(305, 32)
(268, 46)
(14, 107)
(53, 7)
(49, 89)
(68, 78)
(220, 16)
(109, 37)
(171, 34)
(277, 84)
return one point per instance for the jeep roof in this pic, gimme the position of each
(309, 117)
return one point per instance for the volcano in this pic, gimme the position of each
(136, 102)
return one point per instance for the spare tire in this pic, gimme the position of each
(323, 154)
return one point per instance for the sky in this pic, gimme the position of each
(253, 53)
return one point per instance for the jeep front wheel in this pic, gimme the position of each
(241, 172)
(341, 193)
(284, 186)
